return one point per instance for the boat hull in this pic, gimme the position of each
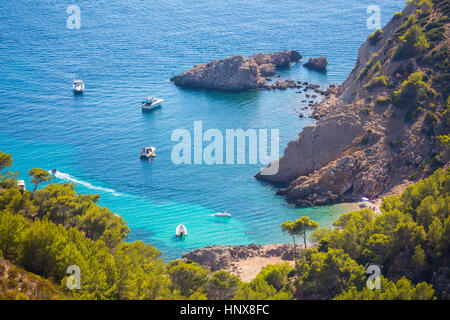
(181, 231)
(152, 106)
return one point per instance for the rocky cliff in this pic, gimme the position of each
(236, 73)
(382, 126)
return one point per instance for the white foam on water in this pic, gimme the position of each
(68, 177)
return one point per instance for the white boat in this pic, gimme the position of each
(181, 230)
(151, 103)
(21, 185)
(78, 86)
(222, 214)
(148, 152)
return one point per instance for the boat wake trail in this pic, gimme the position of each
(68, 177)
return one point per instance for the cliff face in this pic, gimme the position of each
(236, 73)
(380, 127)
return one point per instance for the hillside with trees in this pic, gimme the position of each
(45, 231)
(387, 125)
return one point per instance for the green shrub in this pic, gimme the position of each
(375, 37)
(412, 92)
(430, 118)
(413, 43)
(444, 141)
(412, 19)
(380, 81)
(366, 110)
(364, 140)
(369, 67)
(438, 23)
(376, 67)
(396, 145)
(446, 113)
(398, 15)
(436, 34)
(424, 5)
(383, 100)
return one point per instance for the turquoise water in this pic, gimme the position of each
(126, 50)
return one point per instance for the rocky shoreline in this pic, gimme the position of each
(243, 261)
(318, 64)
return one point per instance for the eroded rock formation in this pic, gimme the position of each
(362, 143)
(318, 64)
(237, 73)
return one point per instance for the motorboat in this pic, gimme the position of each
(148, 153)
(78, 86)
(21, 185)
(181, 231)
(54, 171)
(222, 214)
(151, 103)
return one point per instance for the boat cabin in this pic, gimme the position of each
(21, 185)
(148, 100)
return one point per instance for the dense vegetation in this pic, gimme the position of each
(410, 239)
(51, 228)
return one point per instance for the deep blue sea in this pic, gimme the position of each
(126, 50)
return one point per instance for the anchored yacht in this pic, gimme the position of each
(181, 230)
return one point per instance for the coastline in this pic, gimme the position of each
(243, 261)
(246, 262)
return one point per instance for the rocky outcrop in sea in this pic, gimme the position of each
(318, 64)
(237, 73)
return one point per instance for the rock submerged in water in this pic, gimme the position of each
(236, 73)
(318, 64)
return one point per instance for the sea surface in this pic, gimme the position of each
(126, 50)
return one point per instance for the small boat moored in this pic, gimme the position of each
(148, 153)
(151, 103)
(78, 86)
(181, 231)
(221, 214)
